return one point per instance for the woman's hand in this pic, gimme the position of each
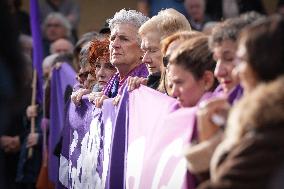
(32, 139)
(93, 95)
(211, 116)
(10, 144)
(100, 100)
(135, 82)
(31, 111)
(76, 96)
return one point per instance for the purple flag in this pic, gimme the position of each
(98, 147)
(157, 135)
(76, 126)
(149, 135)
(86, 142)
(118, 149)
(87, 138)
(37, 47)
(62, 78)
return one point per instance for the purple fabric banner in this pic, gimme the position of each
(157, 135)
(118, 149)
(62, 78)
(77, 124)
(136, 144)
(37, 46)
(86, 145)
(148, 117)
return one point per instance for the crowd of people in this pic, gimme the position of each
(224, 61)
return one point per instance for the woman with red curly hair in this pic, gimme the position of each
(99, 69)
(104, 70)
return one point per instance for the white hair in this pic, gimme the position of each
(123, 16)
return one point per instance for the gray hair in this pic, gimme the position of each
(62, 19)
(231, 28)
(123, 16)
(84, 55)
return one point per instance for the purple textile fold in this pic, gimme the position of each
(160, 127)
(37, 47)
(117, 177)
(233, 96)
(62, 79)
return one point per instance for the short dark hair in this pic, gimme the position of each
(231, 28)
(264, 42)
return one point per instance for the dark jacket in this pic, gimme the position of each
(28, 168)
(154, 80)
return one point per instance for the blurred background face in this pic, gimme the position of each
(224, 54)
(152, 53)
(185, 87)
(91, 76)
(245, 73)
(195, 8)
(61, 46)
(104, 71)
(54, 30)
(124, 47)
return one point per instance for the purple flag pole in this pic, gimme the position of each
(37, 47)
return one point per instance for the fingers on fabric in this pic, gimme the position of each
(210, 116)
(135, 82)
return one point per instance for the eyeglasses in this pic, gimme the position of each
(166, 61)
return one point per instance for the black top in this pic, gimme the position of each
(154, 80)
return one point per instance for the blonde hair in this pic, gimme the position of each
(167, 22)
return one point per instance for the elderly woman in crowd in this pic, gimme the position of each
(152, 32)
(252, 150)
(54, 27)
(125, 52)
(167, 22)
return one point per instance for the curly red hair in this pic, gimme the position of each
(99, 50)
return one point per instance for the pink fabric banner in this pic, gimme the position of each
(158, 134)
